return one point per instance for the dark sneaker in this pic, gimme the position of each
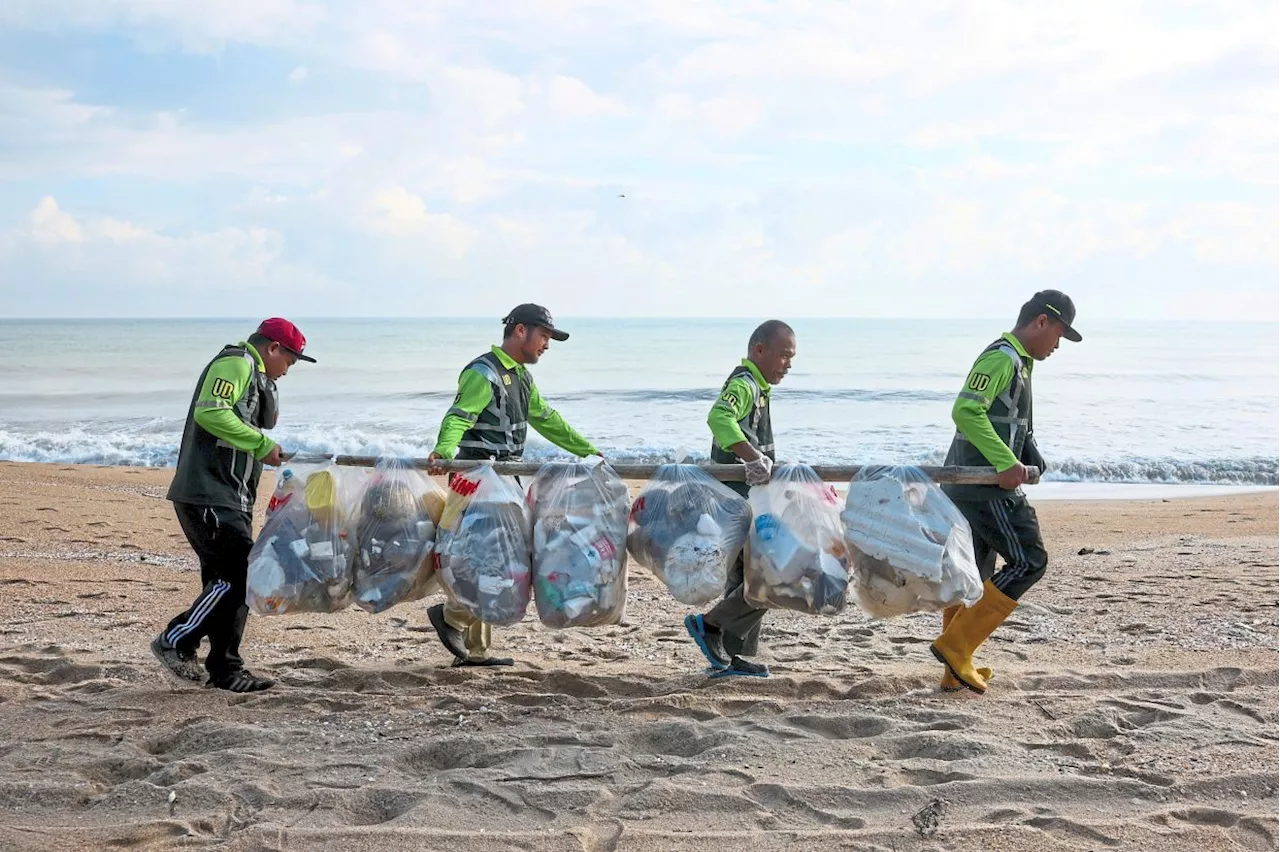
(180, 666)
(709, 640)
(240, 680)
(739, 667)
(450, 637)
(484, 661)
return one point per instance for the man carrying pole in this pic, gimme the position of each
(994, 426)
(496, 403)
(214, 490)
(742, 433)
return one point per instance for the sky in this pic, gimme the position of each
(700, 158)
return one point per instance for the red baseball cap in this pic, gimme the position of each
(287, 335)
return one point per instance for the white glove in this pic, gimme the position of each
(759, 471)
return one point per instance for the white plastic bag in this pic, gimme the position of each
(688, 529)
(579, 543)
(301, 561)
(394, 533)
(483, 546)
(911, 548)
(796, 553)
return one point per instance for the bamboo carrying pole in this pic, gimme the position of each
(724, 472)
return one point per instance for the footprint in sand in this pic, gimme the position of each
(842, 727)
(1073, 830)
(1248, 832)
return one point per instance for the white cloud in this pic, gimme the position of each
(862, 158)
(569, 96)
(398, 212)
(49, 225)
(198, 27)
(140, 271)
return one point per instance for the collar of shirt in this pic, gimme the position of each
(257, 356)
(765, 387)
(506, 359)
(1013, 340)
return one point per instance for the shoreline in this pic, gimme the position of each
(1048, 490)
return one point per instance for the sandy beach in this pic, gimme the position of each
(1134, 707)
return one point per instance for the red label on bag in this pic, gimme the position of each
(637, 507)
(465, 487)
(606, 548)
(277, 501)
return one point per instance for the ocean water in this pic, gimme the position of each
(1157, 402)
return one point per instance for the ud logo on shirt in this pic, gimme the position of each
(222, 389)
(979, 381)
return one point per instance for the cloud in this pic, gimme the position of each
(400, 213)
(49, 225)
(50, 257)
(690, 156)
(197, 27)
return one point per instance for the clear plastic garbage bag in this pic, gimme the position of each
(688, 529)
(911, 548)
(394, 531)
(483, 546)
(580, 511)
(796, 557)
(301, 561)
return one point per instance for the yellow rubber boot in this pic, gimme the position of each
(969, 629)
(949, 682)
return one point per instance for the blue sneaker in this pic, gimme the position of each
(708, 640)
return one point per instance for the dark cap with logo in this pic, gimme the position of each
(531, 314)
(1057, 305)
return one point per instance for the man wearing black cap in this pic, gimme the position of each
(496, 403)
(213, 492)
(994, 427)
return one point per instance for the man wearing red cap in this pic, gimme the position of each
(213, 492)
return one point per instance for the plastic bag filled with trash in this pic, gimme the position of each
(911, 549)
(394, 532)
(580, 513)
(688, 529)
(301, 561)
(483, 546)
(796, 557)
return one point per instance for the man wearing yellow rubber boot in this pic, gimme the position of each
(994, 427)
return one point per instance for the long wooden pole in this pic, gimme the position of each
(723, 472)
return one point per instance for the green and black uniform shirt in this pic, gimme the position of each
(741, 413)
(496, 403)
(993, 417)
(220, 460)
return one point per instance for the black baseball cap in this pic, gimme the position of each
(1057, 305)
(531, 314)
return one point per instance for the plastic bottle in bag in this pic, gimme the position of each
(796, 553)
(688, 529)
(288, 483)
(394, 535)
(580, 513)
(911, 548)
(483, 546)
(301, 561)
